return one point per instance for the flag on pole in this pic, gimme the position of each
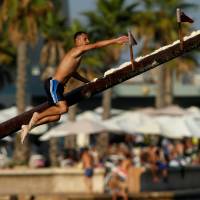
(182, 17)
(132, 40)
(185, 18)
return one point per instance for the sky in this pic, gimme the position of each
(78, 6)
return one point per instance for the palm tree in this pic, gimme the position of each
(22, 20)
(160, 18)
(7, 60)
(53, 49)
(111, 18)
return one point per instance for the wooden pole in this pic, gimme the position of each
(131, 42)
(131, 56)
(178, 17)
(86, 91)
(180, 35)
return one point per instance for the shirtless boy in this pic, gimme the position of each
(54, 86)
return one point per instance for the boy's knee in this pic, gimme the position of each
(57, 118)
(63, 109)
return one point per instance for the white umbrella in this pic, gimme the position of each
(193, 123)
(39, 129)
(81, 126)
(194, 111)
(8, 113)
(148, 126)
(173, 127)
(133, 122)
(7, 139)
(109, 124)
(148, 111)
(89, 115)
(172, 111)
(123, 122)
(84, 126)
(57, 131)
(113, 111)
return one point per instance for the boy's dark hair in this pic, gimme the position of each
(79, 33)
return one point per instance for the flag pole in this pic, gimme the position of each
(178, 15)
(131, 50)
(132, 42)
(131, 56)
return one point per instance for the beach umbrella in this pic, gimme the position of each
(90, 115)
(171, 111)
(113, 111)
(81, 126)
(193, 123)
(39, 129)
(173, 127)
(95, 116)
(136, 122)
(148, 125)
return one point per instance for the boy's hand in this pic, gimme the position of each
(122, 39)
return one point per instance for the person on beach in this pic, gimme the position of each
(118, 183)
(88, 165)
(54, 86)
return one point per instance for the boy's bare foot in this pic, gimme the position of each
(33, 120)
(24, 132)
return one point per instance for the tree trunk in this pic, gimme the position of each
(70, 140)
(21, 153)
(103, 138)
(160, 88)
(168, 85)
(21, 76)
(106, 104)
(164, 95)
(53, 151)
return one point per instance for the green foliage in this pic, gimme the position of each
(110, 19)
(160, 18)
(21, 20)
(7, 60)
(54, 28)
(71, 30)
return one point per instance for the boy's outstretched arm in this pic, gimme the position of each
(103, 43)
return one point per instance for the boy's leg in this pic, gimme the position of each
(48, 119)
(25, 128)
(60, 108)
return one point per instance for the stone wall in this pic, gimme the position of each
(47, 181)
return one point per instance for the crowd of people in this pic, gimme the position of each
(152, 153)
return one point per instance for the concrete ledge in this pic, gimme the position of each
(178, 195)
(47, 181)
